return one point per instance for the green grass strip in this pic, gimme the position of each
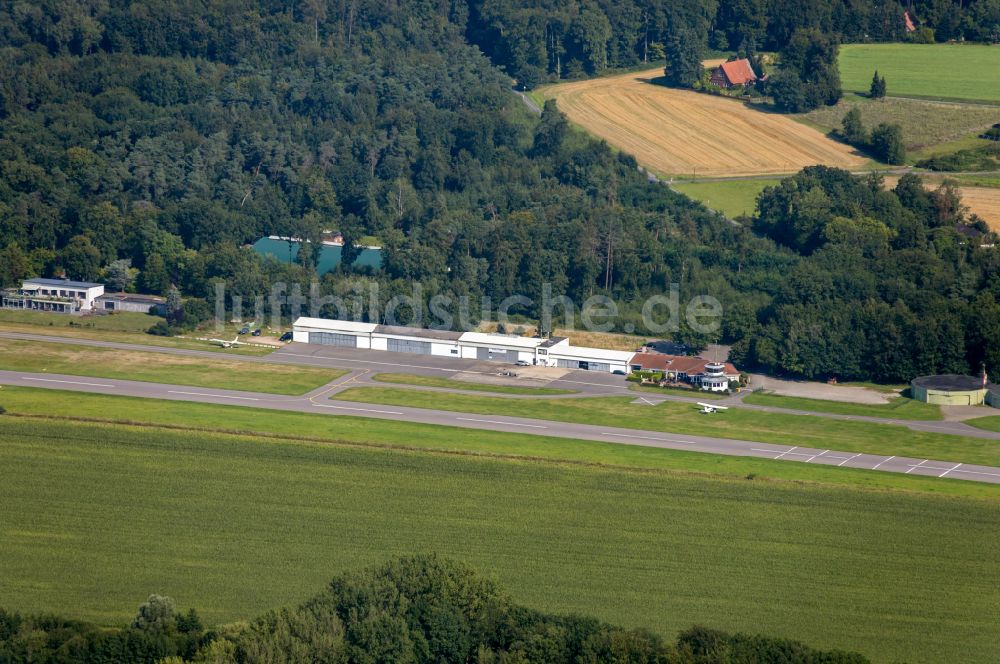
(898, 408)
(75, 360)
(780, 428)
(431, 381)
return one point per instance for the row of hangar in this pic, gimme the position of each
(554, 352)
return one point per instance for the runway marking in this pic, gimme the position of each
(848, 459)
(816, 456)
(789, 451)
(67, 382)
(976, 472)
(949, 470)
(510, 424)
(364, 410)
(875, 467)
(662, 440)
(916, 466)
(214, 396)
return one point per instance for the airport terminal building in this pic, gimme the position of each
(554, 352)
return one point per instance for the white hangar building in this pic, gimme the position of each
(555, 352)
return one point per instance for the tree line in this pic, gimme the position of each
(414, 610)
(541, 40)
(896, 282)
(147, 144)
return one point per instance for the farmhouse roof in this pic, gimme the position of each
(739, 72)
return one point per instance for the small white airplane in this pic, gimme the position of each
(709, 408)
(226, 343)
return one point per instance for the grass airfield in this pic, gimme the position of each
(96, 514)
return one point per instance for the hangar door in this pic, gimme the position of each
(496, 354)
(586, 366)
(408, 346)
(333, 339)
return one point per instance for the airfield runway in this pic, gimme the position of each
(318, 401)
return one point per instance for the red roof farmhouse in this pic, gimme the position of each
(731, 74)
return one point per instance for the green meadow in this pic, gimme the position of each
(897, 408)
(323, 427)
(433, 381)
(674, 417)
(932, 71)
(57, 358)
(96, 517)
(731, 197)
(125, 327)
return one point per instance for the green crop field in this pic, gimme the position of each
(21, 401)
(97, 517)
(899, 408)
(936, 71)
(57, 358)
(431, 381)
(732, 198)
(804, 430)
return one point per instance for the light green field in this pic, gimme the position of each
(98, 517)
(452, 440)
(990, 422)
(742, 424)
(899, 408)
(57, 358)
(121, 328)
(925, 124)
(431, 381)
(936, 71)
(732, 198)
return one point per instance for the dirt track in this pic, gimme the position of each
(683, 133)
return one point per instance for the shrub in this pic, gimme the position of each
(161, 329)
(887, 143)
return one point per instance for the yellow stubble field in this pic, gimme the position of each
(683, 133)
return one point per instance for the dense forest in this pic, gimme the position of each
(171, 134)
(415, 610)
(540, 40)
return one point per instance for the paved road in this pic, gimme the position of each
(585, 382)
(318, 401)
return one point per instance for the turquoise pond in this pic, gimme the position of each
(329, 258)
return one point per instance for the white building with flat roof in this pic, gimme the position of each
(555, 352)
(59, 295)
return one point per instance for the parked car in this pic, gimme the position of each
(619, 372)
(244, 330)
(256, 332)
(523, 363)
(287, 336)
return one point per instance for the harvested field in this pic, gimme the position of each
(684, 133)
(984, 201)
